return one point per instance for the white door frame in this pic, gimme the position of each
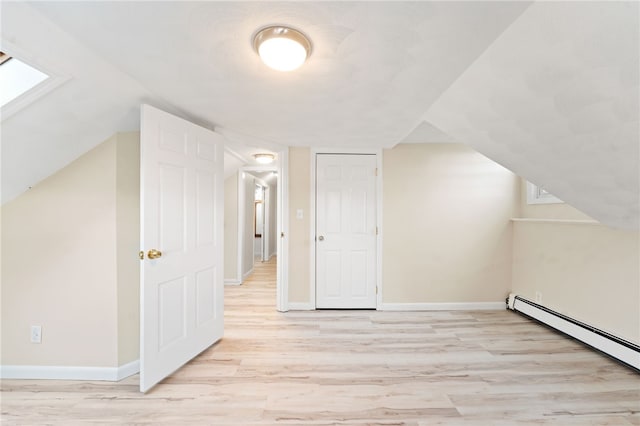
(266, 218)
(237, 279)
(282, 232)
(312, 217)
(241, 214)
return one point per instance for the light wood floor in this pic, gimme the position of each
(355, 367)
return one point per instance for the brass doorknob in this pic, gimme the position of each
(154, 254)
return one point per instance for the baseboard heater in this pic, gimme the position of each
(613, 346)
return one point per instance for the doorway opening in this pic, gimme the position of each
(261, 224)
(253, 226)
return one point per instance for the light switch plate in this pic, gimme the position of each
(36, 334)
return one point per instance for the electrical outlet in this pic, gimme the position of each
(538, 297)
(36, 334)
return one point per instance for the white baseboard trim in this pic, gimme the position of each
(46, 372)
(300, 306)
(246, 275)
(232, 282)
(127, 370)
(462, 306)
(614, 346)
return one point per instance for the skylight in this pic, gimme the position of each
(17, 78)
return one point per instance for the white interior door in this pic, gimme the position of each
(345, 231)
(181, 300)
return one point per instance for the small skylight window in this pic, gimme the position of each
(17, 78)
(538, 195)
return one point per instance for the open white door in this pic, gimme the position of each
(182, 289)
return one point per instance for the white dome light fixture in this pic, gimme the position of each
(282, 48)
(264, 158)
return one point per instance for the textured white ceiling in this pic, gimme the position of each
(380, 73)
(375, 66)
(426, 132)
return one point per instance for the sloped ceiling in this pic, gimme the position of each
(555, 98)
(380, 73)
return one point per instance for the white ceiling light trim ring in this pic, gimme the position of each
(282, 48)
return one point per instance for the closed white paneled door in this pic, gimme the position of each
(182, 200)
(345, 231)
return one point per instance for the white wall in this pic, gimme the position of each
(70, 263)
(231, 229)
(257, 248)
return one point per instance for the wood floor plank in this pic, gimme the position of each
(354, 367)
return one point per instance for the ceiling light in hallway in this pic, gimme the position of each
(264, 158)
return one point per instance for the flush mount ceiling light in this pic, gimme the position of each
(264, 158)
(282, 48)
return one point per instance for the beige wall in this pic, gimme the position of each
(273, 219)
(448, 238)
(446, 232)
(60, 266)
(128, 245)
(231, 228)
(587, 271)
(446, 225)
(70, 263)
(299, 229)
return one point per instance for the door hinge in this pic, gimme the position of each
(376, 171)
(376, 289)
(376, 230)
